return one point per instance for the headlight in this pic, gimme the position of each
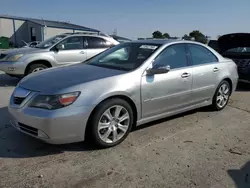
(52, 102)
(14, 57)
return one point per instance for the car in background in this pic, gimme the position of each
(127, 85)
(120, 39)
(235, 46)
(30, 44)
(60, 50)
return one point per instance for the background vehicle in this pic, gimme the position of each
(120, 39)
(30, 44)
(236, 46)
(130, 84)
(60, 50)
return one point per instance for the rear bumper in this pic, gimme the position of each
(244, 74)
(13, 68)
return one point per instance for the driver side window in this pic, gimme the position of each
(72, 43)
(173, 56)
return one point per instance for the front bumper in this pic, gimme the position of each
(65, 125)
(13, 68)
(244, 74)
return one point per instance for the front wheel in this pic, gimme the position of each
(221, 96)
(36, 68)
(111, 123)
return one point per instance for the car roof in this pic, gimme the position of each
(155, 41)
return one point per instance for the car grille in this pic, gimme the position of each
(28, 129)
(18, 100)
(2, 56)
(242, 63)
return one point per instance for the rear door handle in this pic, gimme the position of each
(216, 69)
(82, 52)
(185, 75)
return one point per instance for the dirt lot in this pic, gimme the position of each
(196, 149)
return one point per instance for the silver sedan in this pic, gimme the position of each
(127, 85)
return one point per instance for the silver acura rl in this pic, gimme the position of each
(127, 85)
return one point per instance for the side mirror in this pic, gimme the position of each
(159, 70)
(60, 47)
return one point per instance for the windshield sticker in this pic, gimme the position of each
(151, 47)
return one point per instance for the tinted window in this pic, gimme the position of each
(173, 56)
(72, 43)
(126, 56)
(96, 42)
(239, 50)
(201, 55)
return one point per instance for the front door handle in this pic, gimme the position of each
(185, 75)
(82, 52)
(216, 69)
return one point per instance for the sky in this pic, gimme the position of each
(140, 18)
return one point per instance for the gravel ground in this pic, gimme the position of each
(196, 149)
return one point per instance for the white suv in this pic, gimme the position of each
(64, 49)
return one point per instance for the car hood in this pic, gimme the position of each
(23, 51)
(233, 40)
(56, 79)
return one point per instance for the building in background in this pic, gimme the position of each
(19, 29)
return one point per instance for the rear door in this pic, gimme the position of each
(73, 51)
(205, 72)
(95, 45)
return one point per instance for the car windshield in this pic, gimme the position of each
(239, 50)
(50, 42)
(126, 56)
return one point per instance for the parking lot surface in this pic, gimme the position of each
(200, 148)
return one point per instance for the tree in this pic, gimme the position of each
(186, 37)
(157, 34)
(198, 36)
(166, 35)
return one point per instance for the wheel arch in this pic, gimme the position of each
(230, 83)
(119, 96)
(44, 62)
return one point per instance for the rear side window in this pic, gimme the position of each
(96, 42)
(173, 56)
(201, 55)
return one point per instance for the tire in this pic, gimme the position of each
(96, 135)
(215, 105)
(35, 67)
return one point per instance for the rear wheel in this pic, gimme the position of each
(221, 96)
(36, 68)
(110, 123)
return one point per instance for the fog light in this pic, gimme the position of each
(11, 68)
(42, 134)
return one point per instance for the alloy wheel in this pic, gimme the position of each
(222, 95)
(113, 124)
(38, 69)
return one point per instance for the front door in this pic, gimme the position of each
(71, 51)
(170, 91)
(206, 70)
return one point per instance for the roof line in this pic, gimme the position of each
(51, 23)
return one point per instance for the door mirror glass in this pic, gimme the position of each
(158, 70)
(60, 47)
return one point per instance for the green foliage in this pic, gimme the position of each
(198, 36)
(166, 35)
(157, 35)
